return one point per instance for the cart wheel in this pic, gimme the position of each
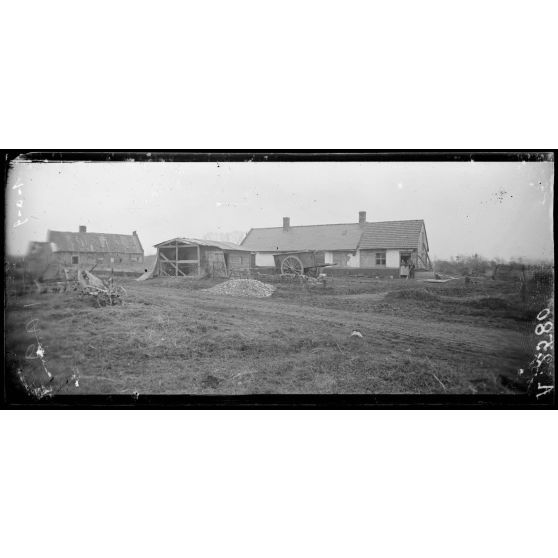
(292, 265)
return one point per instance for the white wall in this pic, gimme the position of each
(354, 261)
(392, 258)
(265, 260)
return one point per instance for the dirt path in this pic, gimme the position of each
(413, 332)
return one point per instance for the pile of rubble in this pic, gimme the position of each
(243, 287)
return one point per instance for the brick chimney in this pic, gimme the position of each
(82, 228)
(286, 223)
(361, 217)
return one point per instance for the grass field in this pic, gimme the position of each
(170, 336)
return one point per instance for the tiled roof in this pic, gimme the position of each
(95, 242)
(388, 234)
(310, 237)
(391, 234)
(214, 243)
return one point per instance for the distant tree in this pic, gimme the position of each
(463, 265)
(236, 237)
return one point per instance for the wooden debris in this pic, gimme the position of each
(104, 292)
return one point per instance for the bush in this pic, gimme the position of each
(464, 265)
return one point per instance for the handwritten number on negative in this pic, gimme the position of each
(546, 328)
(541, 318)
(545, 345)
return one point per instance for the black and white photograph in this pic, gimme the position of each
(278, 279)
(276, 274)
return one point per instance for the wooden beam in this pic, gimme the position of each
(163, 257)
(176, 269)
(175, 263)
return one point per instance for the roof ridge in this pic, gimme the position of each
(223, 244)
(91, 232)
(340, 224)
(205, 240)
(301, 226)
(402, 221)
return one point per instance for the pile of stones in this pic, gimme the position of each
(243, 287)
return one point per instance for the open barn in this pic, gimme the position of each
(193, 257)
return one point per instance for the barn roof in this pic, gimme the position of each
(391, 234)
(204, 242)
(95, 242)
(387, 234)
(309, 237)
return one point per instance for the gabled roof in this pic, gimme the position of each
(203, 242)
(382, 235)
(391, 234)
(95, 242)
(309, 237)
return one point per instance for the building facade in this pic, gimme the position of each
(82, 249)
(105, 251)
(382, 248)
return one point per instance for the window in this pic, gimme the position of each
(75, 259)
(380, 258)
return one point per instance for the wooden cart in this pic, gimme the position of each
(301, 263)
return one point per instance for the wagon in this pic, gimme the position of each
(305, 262)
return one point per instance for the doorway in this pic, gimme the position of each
(406, 266)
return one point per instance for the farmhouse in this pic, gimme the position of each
(105, 251)
(118, 251)
(380, 248)
(183, 257)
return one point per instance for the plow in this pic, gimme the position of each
(105, 293)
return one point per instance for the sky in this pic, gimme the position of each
(488, 208)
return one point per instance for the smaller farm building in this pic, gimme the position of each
(183, 257)
(65, 249)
